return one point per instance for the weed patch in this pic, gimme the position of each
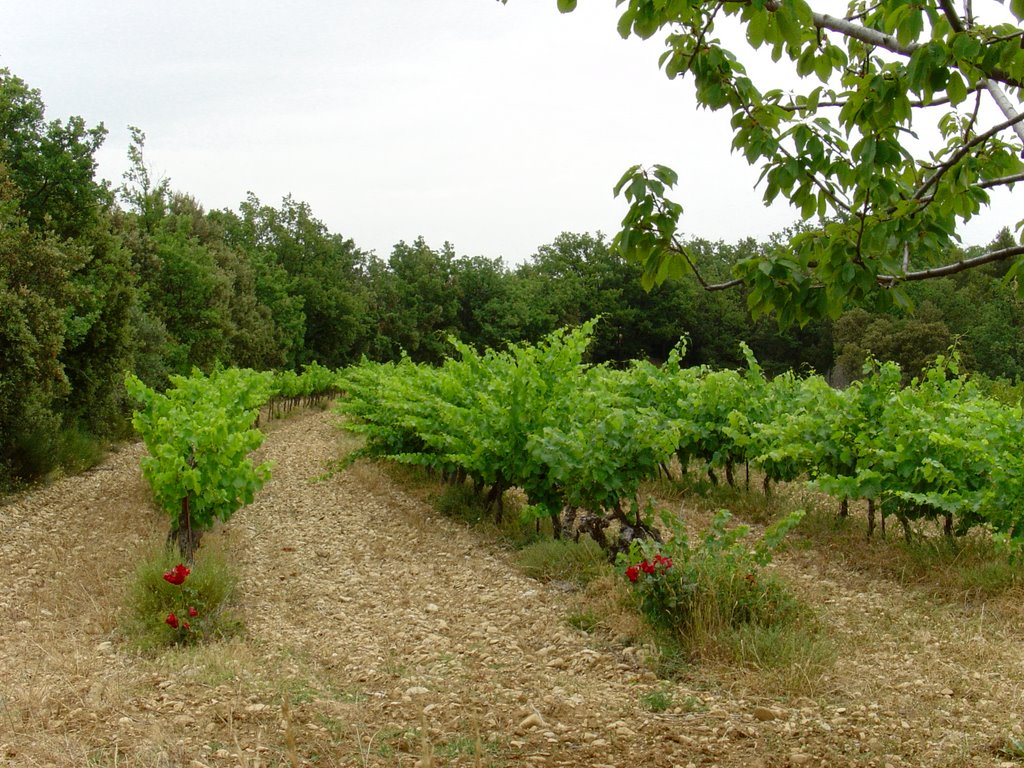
(459, 502)
(714, 600)
(164, 611)
(658, 700)
(549, 559)
(584, 620)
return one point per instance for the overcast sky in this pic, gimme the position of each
(492, 126)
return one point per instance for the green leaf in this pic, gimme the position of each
(626, 178)
(566, 6)
(625, 25)
(823, 68)
(756, 29)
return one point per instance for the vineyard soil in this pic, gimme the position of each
(377, 632)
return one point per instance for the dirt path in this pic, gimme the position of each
(369, 620)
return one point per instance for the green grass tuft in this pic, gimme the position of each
(564, 559)
(459, 502)
(658, 700)
(1012, 749)
(584, 620)
(792, 656)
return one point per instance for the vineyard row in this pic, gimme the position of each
(580, 439)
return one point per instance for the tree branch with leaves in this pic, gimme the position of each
(883, 186)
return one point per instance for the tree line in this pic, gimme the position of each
(97, 281)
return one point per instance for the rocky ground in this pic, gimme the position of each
(379, 634)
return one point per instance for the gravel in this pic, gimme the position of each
(379, 634)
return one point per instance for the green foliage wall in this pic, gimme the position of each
(94, 284)
(66, 309)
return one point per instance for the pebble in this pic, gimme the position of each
(94, 698)
(531, 721)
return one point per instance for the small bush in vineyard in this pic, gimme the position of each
(172, 604)
(694, 592)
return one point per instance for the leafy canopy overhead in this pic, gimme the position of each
(910, 115)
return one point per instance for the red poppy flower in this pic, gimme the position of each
(172, 620)
(186, 626)
(632, 573)
(192, 612)
(647, 567)
(177, 574)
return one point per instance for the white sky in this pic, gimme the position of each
(493, 127)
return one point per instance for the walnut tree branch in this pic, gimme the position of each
(890, 43)
(962, 152)
(887, 281)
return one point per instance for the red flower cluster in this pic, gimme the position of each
(648, 567)
(176, 575)
(173, 622)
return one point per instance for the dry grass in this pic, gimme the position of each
(969, 569)
(382, 634)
